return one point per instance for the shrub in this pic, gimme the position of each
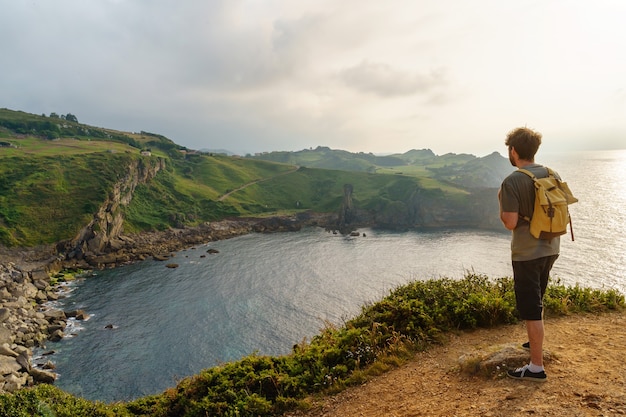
(385, 333)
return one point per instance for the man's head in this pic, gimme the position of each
(525, 142)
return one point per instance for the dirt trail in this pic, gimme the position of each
(224, 196)
(586, 377)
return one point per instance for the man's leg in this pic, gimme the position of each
(534, 370)
(534, 328)
(535, 331)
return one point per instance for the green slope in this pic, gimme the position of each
(45, 199)
(51, 188)
(456, 170)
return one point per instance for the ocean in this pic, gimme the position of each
(262, 293)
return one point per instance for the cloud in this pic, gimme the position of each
(360, 75)
(386, 81)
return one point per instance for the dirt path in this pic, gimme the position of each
(586, 377)
(224, 196)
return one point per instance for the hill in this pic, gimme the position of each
(66, 182)
(459, 170)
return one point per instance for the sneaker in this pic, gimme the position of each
(526, 345)
(525, 374)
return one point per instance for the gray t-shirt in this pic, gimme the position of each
(517, 194)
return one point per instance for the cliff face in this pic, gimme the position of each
(103, 231)
(102, 242)
(424, 209)
(347, 214)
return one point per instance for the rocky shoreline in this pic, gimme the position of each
(28, 279)
(124, 249)
(24, 325)
(28, 283)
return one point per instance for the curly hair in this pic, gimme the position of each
(525, 141)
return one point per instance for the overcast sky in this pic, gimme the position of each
(359, 75)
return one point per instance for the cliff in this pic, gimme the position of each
(422, 209)
(102, 234)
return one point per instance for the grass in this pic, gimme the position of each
(47, 199)
(56, 174)
(385, 334)
(52, 190)
(61, 147)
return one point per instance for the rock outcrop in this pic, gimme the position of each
(421, 209)
(159, 245)
(102, 234)
(25, 324)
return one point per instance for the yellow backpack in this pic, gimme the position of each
(551, 214)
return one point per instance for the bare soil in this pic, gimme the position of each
(586, 377)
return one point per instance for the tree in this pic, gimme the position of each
(71, 118)
(54, 115)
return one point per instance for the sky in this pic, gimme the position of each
(359, 75)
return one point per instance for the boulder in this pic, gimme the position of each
(495, 360)
(77, 314)
(54, 327)
(40, 275)
(30, 291)
(5, 350)
(54, 315)
(42, 376)
(56, 336)
(24, 361)
(6, 336)
(5, 313)
(9, 365)
(41, 297)
(82, 316)
(41, 284)
(13, 382)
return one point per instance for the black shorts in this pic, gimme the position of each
(531, 281)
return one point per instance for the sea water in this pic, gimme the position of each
(264, 293)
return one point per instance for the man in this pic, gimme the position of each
(532, 258)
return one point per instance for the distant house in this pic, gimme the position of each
(146, 153)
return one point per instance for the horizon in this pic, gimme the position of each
(541, 152)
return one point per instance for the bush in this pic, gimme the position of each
(384, 334)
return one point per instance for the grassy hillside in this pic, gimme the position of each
(44, 199)
(16, 127)
(321, 190)
(457, 170)
(188, 192)
(52, 184)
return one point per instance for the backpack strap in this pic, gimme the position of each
(530, 174)
(534, 178)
